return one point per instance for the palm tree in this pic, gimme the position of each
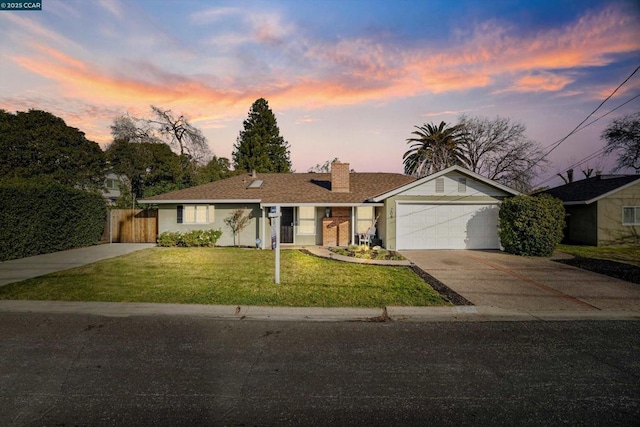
(433, 148)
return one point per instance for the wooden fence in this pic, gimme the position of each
(132, 226)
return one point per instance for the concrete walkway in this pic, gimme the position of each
(26, 268)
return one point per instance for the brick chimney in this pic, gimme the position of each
(340, 177)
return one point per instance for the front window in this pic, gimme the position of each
(113, 184)
(631, 215)
(197, 214)
(364, 218)
(306, 220)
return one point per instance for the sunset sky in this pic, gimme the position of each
(347, 79)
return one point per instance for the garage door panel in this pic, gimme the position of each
(462, 226)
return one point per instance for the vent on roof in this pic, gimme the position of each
(256, 183)
(440, 185)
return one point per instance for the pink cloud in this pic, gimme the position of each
(351, 71)
(542, 82)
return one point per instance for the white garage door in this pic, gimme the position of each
(447, 226)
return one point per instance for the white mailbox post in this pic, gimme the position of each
(275, 214)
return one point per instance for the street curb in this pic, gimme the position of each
(310, 314)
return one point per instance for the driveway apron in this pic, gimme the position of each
(497, 279)
(26, 268)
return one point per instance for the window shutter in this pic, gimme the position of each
(180, 213)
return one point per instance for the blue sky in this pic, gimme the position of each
(347, 79)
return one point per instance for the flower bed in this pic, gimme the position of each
(365, 252)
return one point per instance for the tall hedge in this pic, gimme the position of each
(43, 217)
(531, 225)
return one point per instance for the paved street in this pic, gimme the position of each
(82, 369)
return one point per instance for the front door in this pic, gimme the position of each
(286, 225)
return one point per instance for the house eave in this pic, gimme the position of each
(602, 196)
(581, 202)
(196, 201)
(257, 201)
(320, 204)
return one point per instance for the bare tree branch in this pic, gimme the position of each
(500, 150)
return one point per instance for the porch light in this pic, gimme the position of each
(327, 212)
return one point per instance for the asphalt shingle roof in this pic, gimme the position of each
(591, 188)
(291, 188)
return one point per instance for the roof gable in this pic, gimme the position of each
(592, 189)
(451, 171)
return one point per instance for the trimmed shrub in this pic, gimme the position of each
(40, 217)
(200, 238)
(195, 238)
(531, 225)
(169, 238)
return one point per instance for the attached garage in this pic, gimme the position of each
(447, 226)
(451, 209)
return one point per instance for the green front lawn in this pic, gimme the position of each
(628, 255)
(230, 277)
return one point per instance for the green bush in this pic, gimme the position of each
(38, 217)
(195, 238)
(531, 225)
(169, 238)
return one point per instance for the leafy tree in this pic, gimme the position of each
(259, 146)
(531, 225)
(499, 149)
(37, 144)
(433, 148)
(217, 168)
(147, 169)
(623, 138)
(238, 221)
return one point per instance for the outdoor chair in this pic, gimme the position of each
(367, 237)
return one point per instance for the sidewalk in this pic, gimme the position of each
(26, 268)
(310, 314)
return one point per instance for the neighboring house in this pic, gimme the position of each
(602, 210)
(452, 209)
(112, 188)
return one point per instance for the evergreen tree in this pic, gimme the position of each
(259, 146)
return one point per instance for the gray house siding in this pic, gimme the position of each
(168, 221)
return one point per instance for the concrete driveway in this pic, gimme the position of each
(497, 279)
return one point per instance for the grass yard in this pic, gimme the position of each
(627, 255)
(230, 276)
